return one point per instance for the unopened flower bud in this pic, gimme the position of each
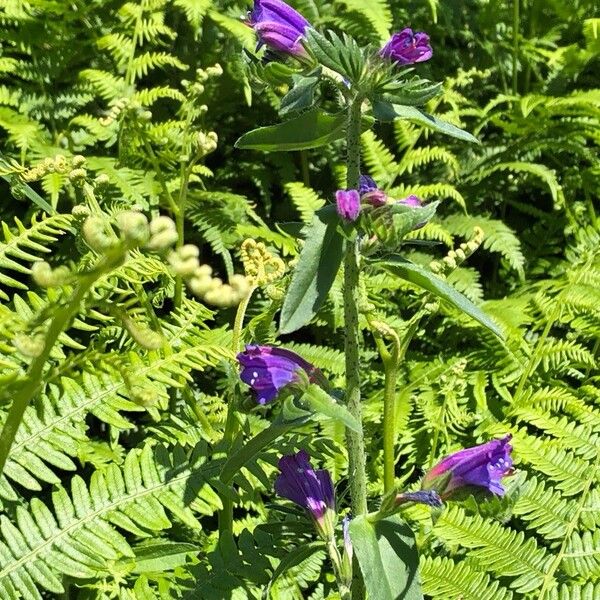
(94, 233)
(143, 335)
(80, 211)
(28, 345)
(184, 260)
(78, 160)
(45, 276)
(163, 233)
(102, 180)
(133, 226)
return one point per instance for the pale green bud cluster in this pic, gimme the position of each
(29, 345)
(143, 335)
(455, 258)
(204, 143)
(261, 267)
(163, 233)
(45, 276)
(72, 167)
(214, 291)
(184, 261)
(96, 234)
(133, 226)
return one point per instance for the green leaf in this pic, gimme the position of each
(321, 402)
(311, 129)
(385, 111)
(162, 555)
(315, 272)
(301, 95)
(432, 283)
(342, 55)
(393, 222)
(388, 558)
(409, 93)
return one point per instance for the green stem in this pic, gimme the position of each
(180, 225)
(389, 425)
(355, 440)
(515, 48)
(226, 513)
(33, 379)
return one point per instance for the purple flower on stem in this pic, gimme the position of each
(310, 489)
(268, 370)
(482, 466)
(406, 47)
(369, 192)
(348, 204)
(278, 26)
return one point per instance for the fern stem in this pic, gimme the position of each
(33, 380)
(515, 48)
(549, 576)
(180, 225)
(226, 513)
(355, 440)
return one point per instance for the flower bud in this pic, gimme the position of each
(45, 276)
(94, 233)
(348, 204)
(184, 260)
(133, 226)
(28, 345)
(163, 233)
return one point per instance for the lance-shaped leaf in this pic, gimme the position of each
(439, 287)
(315, 272)
(386, 111)
(311, 129)
(410, 93)
(318, 400)
(388, 558)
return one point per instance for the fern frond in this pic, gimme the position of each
(306, 200)
(444, 578)
(496, 548)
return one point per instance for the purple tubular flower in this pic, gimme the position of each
(278, 26)
(348, 204)
(369, 192)
(482, 466)
(310, 489)
(268, 370)
(406, 47)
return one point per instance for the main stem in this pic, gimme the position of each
(515, 48)
(355, 440)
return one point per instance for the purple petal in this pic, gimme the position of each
(406, 47)
(366, 184)
(348, 204)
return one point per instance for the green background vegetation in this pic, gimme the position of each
(110, 490)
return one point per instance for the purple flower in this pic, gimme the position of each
(411, 200)
(268, 370)
(348, 204)
(310, 489)
(483, 466)
(278, 26)
(369, 192)
(406, 47)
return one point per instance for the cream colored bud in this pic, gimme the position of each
(45, 276)
(78, 160)
(102, 180)
(79, 211)
(163, 233)
(77, 176)
(143, 335)
(61, 164)
(184, 260)
(94, 233)
(215, 71)
(133, 226)
(27, 345)
(460, 254)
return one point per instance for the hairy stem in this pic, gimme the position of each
(355, 440)
(179, 224)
